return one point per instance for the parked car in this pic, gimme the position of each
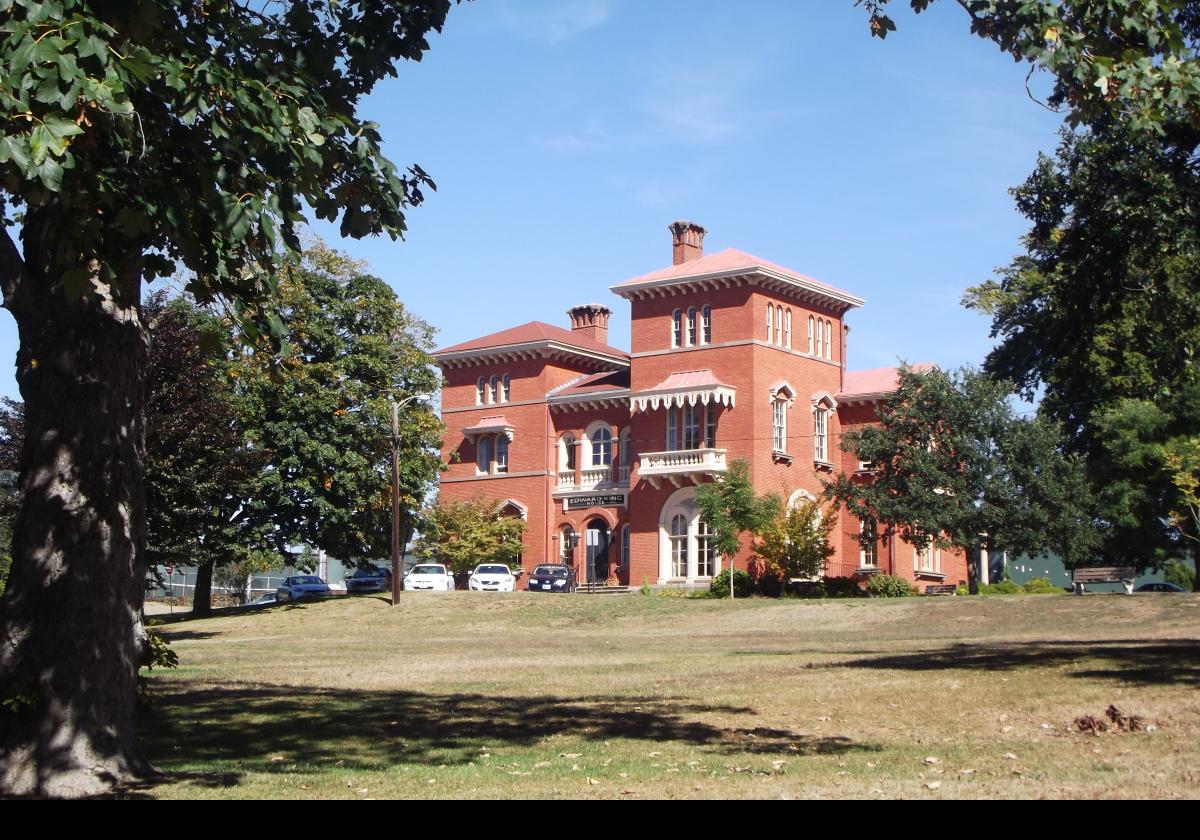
(552, 577)
(431, 577)
(1160, 587)
(370, 579)
(299, 587)
(492, 577)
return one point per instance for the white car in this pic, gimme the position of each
(492, 577)
(429, 576)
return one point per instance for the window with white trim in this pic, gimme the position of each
(691, 327)
(672, 429)
(779, 325)
(928, 559)
(494, 389)
(706, 324)
(770, 323)
(677, 328)
(706, 551)
(480, 391)
(506, 388)
(626, 457)
(821, 434)
(710, 426)
(810, 334)
(787, 329)
(828, 339)
(483, 457)
(868, 552)
(679, 540)
(566, 458)
(566, 552)
(820, 332)
(779, 424)
(601, 447)
(502, 453)
(691, 426)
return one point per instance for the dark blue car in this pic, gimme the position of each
(552, 577)
(369, 580)
(299, 587)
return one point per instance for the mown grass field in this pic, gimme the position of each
(520, 696)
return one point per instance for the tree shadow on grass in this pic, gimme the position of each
(1156, 662)
(275, 729)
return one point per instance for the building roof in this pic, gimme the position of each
(534, 331)
(876, 382)
(491, 425)
(732, 262)
(593, 384)
(686, 388)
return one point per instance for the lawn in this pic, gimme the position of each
(518, 696)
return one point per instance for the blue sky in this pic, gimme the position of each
(564, 135)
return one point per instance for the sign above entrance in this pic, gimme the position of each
(581, 502)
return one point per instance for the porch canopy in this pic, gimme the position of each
(685, 388)
(491, 426)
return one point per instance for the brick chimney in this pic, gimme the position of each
(687, 241)
(591, 320)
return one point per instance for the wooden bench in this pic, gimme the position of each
(941, 589)
(1103, 574)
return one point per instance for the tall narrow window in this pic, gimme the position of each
(625, 547)
(770, 322)
(705, 551)
(821, 434)
(679, 529)
(810, 335)
(568, 455)
(710, 426)
(820, 334)
(676, 328)
(602, 447)
(506, 388)
(494, 385)
(928, 559)
(480, 391)
(787, 329)
(672, 429)
(691, 324)
(828, 339)
(779, 325)
(706, 324)
(566, 552)
(483, 459)
(691, 427)
(626, 459)
(869, 553)
(502, 454)
(779, 425)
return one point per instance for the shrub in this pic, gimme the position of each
(1041, 586)
(843, 587)
(1004, 587)
(962, 589)
(743, 585)
(770, 584)
(889, 586)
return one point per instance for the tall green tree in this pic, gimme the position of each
(135, 137)
(955, 467)
(732, 510)
(795, 542)
(201, 471)
(323, 410)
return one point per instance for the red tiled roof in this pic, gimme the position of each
(726, 261)
(596, 383)
(689, 379)
(877, 380)
(489, 424)
(532, 332)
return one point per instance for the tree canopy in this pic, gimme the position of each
(953, 465)
(462, 534)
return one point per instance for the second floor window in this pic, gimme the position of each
(483, 460)
(821, 434)
(672, 429)
(601, 448)
(691, 427)
(502, 454)
(710, 427)
(779, 425)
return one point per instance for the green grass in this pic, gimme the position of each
(468, 695)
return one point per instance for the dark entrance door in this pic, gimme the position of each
(597, 538)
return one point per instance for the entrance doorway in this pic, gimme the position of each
(597, 540)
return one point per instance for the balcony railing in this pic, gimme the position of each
(690, 464)
(593, 478)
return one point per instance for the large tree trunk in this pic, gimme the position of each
(71, 635)
(202, 591)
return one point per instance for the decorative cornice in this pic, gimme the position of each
(541, 349)
(795, 287)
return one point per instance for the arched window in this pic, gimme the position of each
(828, 339)
(601, 447)
(506, 384)
(787, 329)
(810, 335)
(502, 454)
(677, 328)
(706, 324)
(705, 550)
(779, 325)
(691, 327)
(480, 391)
(770, 322)
(820, 334)
(483, 458)
(625, 547)
(679, 539)
(566, 455)
(494, 388)
(566, 552)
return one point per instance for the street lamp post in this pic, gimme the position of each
(397, 571)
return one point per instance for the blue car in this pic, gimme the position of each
(369, 580)
(299, 587)
(552, 577)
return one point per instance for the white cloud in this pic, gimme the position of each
(552, 21)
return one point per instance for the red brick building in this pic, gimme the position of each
(600, 450)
